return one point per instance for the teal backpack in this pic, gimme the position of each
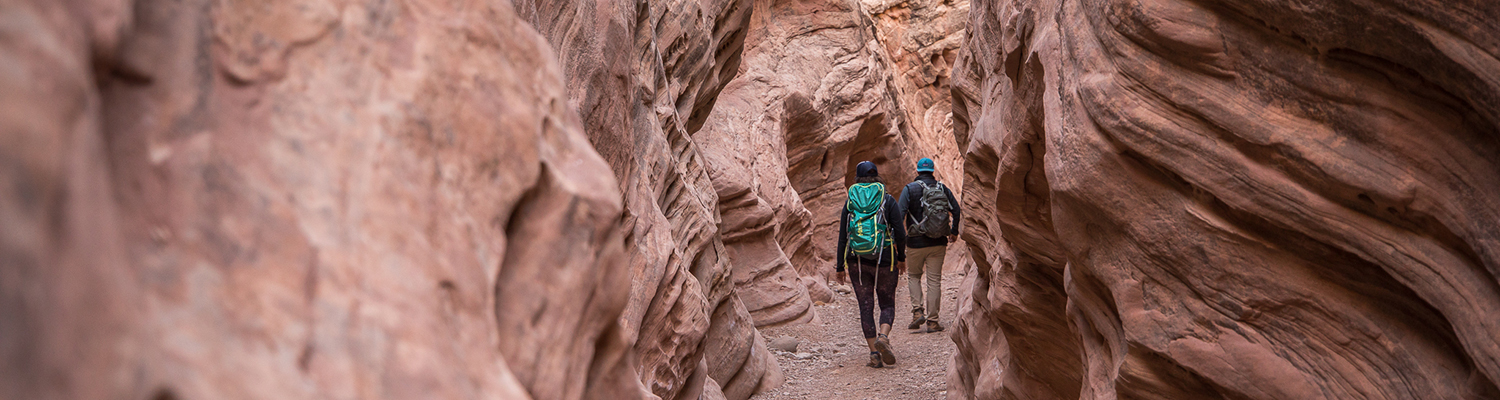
(869, 233)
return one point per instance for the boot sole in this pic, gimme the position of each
(884, 348)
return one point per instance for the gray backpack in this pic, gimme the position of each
(933, 222)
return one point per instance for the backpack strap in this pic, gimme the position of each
(892, 247)
(848, 237)
(917, 218)
(890, 234)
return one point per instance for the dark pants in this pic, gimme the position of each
(867, 277)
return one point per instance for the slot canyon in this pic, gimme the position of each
(641, 199)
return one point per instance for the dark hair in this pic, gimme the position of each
(868, 179)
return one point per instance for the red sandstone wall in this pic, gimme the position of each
(1242, 199)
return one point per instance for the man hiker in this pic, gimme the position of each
(932, 220)
(872, 245)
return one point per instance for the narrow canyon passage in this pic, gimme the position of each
(637, 199)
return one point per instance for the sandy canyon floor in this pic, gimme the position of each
(829, 363)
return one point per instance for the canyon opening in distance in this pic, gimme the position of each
(640, 199)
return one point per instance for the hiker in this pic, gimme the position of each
(872, 244)
(932, 222)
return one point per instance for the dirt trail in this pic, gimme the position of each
(830, 359)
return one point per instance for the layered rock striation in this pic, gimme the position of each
(791, 49)
(302, 199)
(1244, 200)
(366, 199)
(818, 92)
(921, 39)
(644, 75)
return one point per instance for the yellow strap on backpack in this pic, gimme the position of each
(890, 238)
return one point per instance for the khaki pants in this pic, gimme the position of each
(929, 260)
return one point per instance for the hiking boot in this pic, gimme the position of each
(933, 326)
(883, 347)
(917, 318)
(874, 360)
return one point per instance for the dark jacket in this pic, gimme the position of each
(892, 217)
(911, 207)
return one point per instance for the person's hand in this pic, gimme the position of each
(901, 266)
(842, 277)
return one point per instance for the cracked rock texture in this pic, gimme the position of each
(921, 40)
(308, 199)
(817, 93)
(1250, 199)
(644, 75)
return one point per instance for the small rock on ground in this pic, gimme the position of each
(785, 343)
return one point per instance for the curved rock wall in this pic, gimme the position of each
(644, 75)
(302, 199)
(792, 49)
(1251, 199)
(318, 199)
(818, 93)
(921, 39)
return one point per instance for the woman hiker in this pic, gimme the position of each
(872, 244)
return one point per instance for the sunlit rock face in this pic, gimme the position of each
(302, 199)
(644, 75)
(1240, 200)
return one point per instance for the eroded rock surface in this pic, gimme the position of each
(921, 40)
(1244, 199)
(302, 199)
(644, 75)
(817, 94)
